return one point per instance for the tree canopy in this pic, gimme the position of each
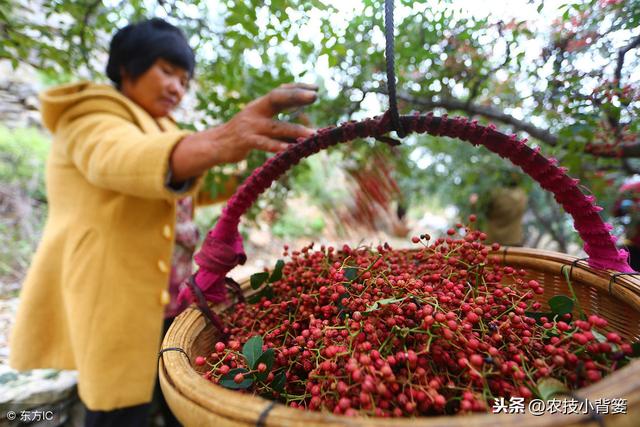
(569, 83)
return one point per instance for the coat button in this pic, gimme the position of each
(165, 297)
(166, 232)
(162, 266)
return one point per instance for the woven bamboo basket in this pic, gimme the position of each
(197, 402)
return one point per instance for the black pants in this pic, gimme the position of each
(135, 416)
(634, 257)
(169, 419)
(131, 416)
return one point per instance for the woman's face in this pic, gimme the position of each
(159, 90)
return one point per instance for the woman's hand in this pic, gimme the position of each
(255, 128)
(252, 128)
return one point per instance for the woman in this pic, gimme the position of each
(94, 297)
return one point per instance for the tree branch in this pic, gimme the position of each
(631, 150)
(547, 224)
(83, 29)
(356, 104)
(476, 86)
(479, 110)
(621, 53)
(624, 151)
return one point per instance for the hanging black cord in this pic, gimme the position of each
(391, 75)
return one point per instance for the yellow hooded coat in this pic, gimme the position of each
(94, 296)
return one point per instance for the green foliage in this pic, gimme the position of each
(290, 225)
(550, 387)
(23, 153)
(228, 382)
(350, 273)
(254, 356)
(252, 350)
(268, 357)
(22, 198)
(561, 304)
(260, 278)
(277, 272)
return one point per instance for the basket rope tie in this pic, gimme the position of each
(613, 277)
(178, 349)
(222, 249)
(235, 287)
(574, 263)
(203, 306)
(593, 415)
(504, 253)
(262, 419)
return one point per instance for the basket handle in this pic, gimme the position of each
(226, 243)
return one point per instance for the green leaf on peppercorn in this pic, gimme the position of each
(636, 349)
(267, 358)
(598, 336)
(401, 332)
(549, 387)
(252, 350)
(601, 338)
(258, 279)
(342, 309)
(227, 380)
(384, 301)
(278, 382)
(561, 304)
(277, 272)
(350, 273)
(255, 298)
(266, 291)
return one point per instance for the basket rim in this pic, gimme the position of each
(622, 286)
(179, 374)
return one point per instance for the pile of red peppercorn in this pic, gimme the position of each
(438, 330)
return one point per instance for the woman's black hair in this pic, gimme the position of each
(136, 47)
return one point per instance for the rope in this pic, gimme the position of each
(235, 288)
(174, 349)
(264, 414)
(593, 415)
(574, 263)
(612, 280)
(202, 305)
(391, 75)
